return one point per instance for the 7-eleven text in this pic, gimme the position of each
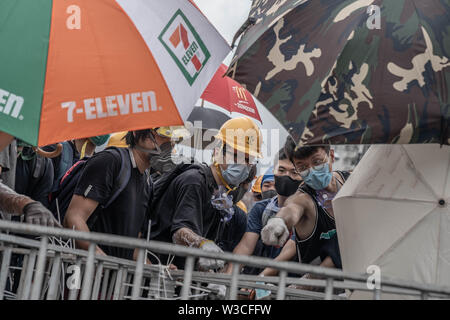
(111, 106)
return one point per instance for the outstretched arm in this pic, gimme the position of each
(276, 232)
(17, 204)
(293, 209)
(11, 201)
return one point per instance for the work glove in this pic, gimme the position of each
(205, 264)
(275, 233)
(219, 291)
(36, 213)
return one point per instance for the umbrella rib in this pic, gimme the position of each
(438, 249)
(364, 197)
(418, 174)
(446, 179)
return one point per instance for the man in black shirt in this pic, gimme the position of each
(126, 215)
(191, 209)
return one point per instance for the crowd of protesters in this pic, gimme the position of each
(134, 186)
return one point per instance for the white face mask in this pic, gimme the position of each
(235, 173)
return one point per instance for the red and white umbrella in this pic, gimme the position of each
(230, 95)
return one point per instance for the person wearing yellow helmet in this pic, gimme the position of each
(287, 181)
(196, 202)
(256, 189)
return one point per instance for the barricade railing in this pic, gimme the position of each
(51, 268)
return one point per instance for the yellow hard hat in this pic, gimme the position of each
(242, 134)
(173, 132)
(118, 140)
(257, 185)
(241, 205)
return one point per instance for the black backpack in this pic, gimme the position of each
(161, 185)
(60, 200)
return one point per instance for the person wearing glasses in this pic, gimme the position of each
(309, 211)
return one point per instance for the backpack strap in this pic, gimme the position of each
(344, 175)
(121, 181)
(38, 167)
(66, 161)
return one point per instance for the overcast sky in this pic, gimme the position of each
(226, 15)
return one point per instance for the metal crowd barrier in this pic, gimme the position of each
(51, 268)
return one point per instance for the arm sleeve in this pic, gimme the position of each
(97, 179)
(188, 212)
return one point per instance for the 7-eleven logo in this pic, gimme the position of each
(185, 46)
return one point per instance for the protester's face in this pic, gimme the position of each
(318, 158)
(286, 168)
(257, 196)
(228, 156)
(268, 185)
(149, 143)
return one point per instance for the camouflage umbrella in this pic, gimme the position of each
(353, 72)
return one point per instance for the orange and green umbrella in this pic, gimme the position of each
(82, 68)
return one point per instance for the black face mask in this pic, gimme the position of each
(238, 194)
(268, 194)
(286, 186)
(162, 162)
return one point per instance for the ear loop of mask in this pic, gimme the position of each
(222, 179)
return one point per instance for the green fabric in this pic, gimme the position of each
(24, 35)
(99, 140)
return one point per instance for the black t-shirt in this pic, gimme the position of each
(186, 203)
(127, 214)
(231, 232)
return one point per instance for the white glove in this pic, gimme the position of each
(205, 264)
(219, 291)
(275, 233)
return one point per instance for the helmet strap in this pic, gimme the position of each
(219, 173)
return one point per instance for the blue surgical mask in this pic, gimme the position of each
(319, 179)
(235, 173)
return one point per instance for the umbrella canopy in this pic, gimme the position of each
(230, 95)
(394, 212)
(208, 118)
(203, 124)
(346, 71)
(87, 68)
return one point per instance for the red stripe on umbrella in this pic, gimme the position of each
(230, 95)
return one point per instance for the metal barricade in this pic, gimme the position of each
(51, 268)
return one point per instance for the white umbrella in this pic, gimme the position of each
(394, 212)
